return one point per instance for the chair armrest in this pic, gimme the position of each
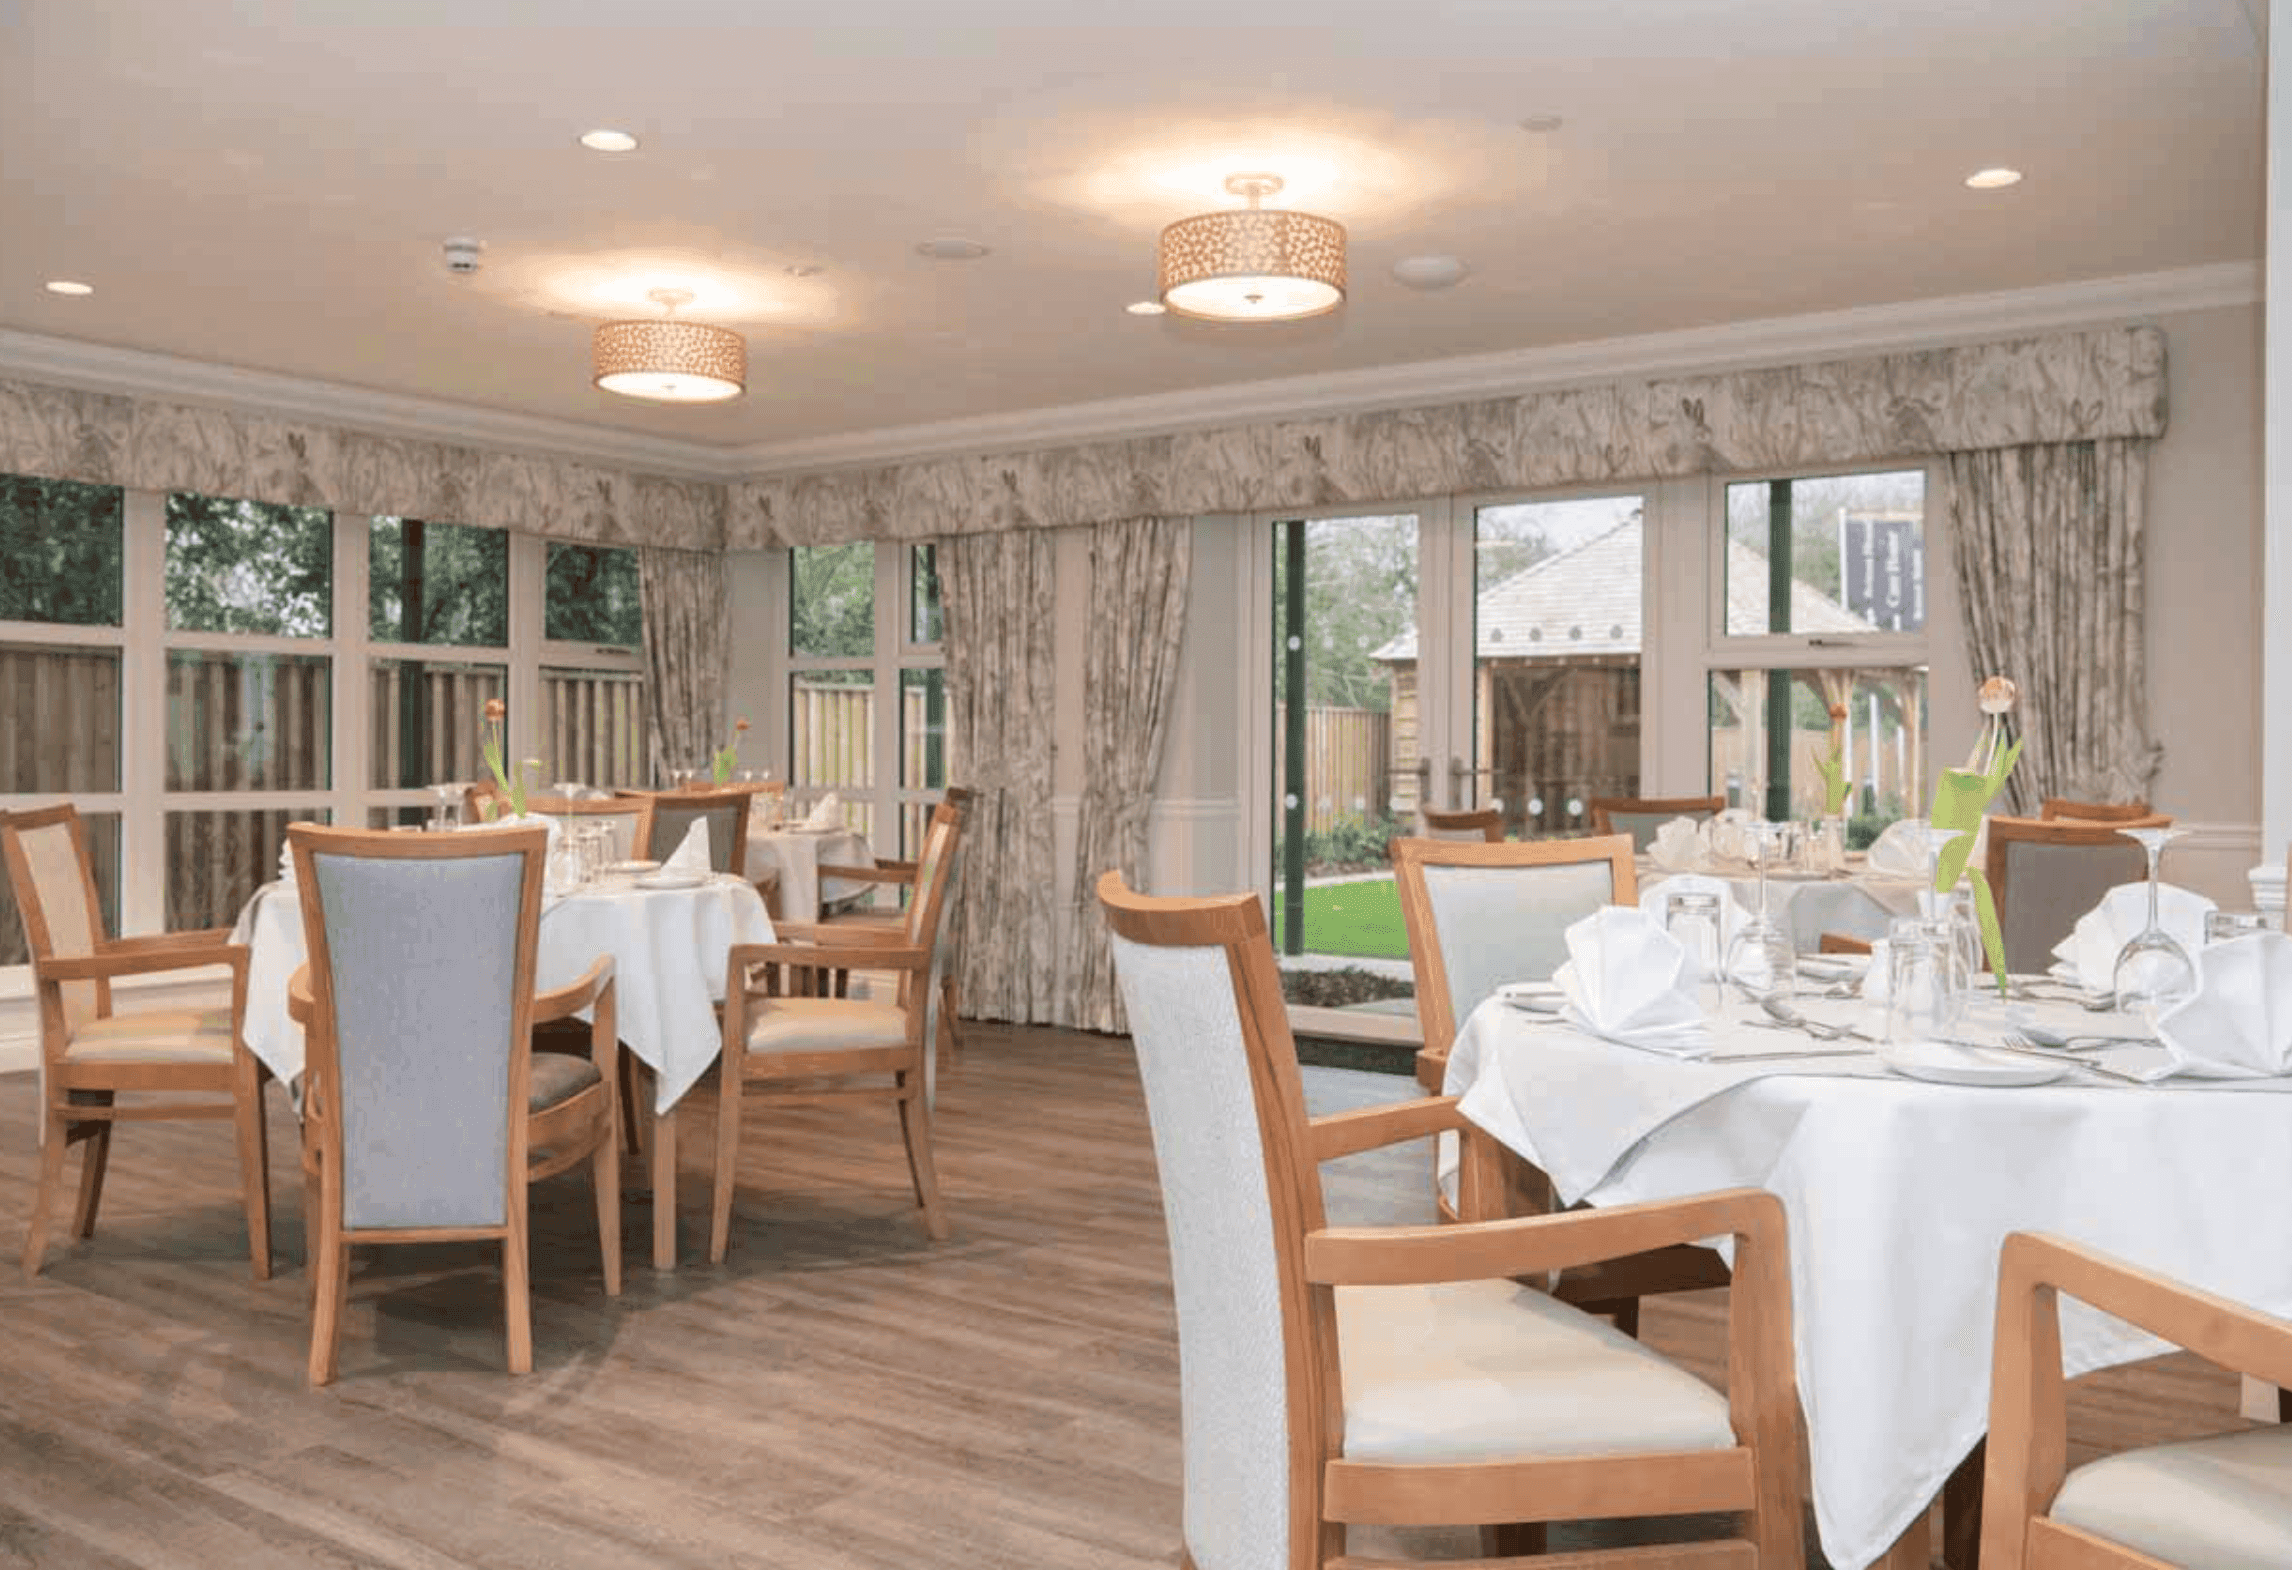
(2224, 1333)
(848, 934)
(826, 956)
(576, 995)
(894, 874)
(1532, 1245)
(140, 961)
(205, 937)
(300, 1004)
(1372, 1128)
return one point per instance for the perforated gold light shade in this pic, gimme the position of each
(670, 361)
(1252, 265)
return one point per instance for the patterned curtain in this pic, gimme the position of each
(2048, 541)
(687, 647)
(1137, 622)
(998, 590)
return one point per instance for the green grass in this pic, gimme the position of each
(1358, 920)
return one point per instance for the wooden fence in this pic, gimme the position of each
(1347, 768)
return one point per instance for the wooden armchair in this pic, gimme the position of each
(780, 1048)
(2222, 1501)
(1484, 825)
(1641, 816)
(89, 1054)
(2046, 875)
(1400, 1375)
(888, 872)
(2058, 808)
(426, 1114)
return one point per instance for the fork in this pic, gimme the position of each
(2015, 1042)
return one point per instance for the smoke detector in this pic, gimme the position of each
(462, 254)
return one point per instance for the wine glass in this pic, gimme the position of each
(1761, 960)
(2153, 971)
(449, 798)
(681, 779)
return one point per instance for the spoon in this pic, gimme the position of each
(1776, 1009)
(2067, 1040)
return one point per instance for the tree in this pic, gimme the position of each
(60, 552)
(592, 596)
(249, 567)
(453, 587)
(831, 599)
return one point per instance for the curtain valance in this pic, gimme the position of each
(61, 433)
(2073, 386)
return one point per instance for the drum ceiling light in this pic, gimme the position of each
(1255, 264)
(668, 361)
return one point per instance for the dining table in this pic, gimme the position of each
(1856, 901)
(795, 854)
(1899, 1193)
(669, 947)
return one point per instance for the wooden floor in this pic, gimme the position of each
(840, 1394)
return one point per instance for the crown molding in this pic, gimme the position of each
(1766, 341)
(1779, 340)
(92, 367)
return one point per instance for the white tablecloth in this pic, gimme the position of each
(668, 948)
(1859, 904)
(1899, 1195)
(796, 855)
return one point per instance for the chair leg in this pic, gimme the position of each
(632, 1115)
(330, 1294)
(605, 1174)
(517, 1290)
(948, 1044)
(51, 1179)
(94, 1162)
(727, 1160)
(254, 1163)
(915, 1128)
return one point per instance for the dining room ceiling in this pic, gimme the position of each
(268, 184)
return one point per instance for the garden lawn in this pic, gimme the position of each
(1360, 920)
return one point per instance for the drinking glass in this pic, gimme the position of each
(2222, 926)
(450, 799)
(1693, 918)
(2153, 971)
(681, 779)
(1925, 988)
(1761, 960)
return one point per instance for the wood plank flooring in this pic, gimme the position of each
(840, 1395)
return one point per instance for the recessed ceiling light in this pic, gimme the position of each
(803, 269)
(1542, 124)
(951, 250)
(608, 141)
(1993, 179)
(1146, 308)
(1431, 272)
(71, 286)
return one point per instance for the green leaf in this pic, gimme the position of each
(1993, 939)
(1950, 865)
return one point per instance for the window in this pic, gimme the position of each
(197, 672)
(864, 686)
(1821, 622)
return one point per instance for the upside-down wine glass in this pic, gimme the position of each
(2153, 971)
(1760, 960)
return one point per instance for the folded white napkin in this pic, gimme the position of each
(1900, 851)
(827, 813)
(1678, 845)
(691, 854)
(2238, 1023)
(2088, 955)
(1629, 981)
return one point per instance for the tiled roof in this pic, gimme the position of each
(1585, 601)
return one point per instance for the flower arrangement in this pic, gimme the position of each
(1833, 767)
(511, 786)
(1961, 796)
(721, 761)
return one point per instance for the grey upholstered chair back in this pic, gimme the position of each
(1185, 1019)
(2047, 887)
(672, 820)
(1500, 924)
(1641, 826)
(423, 956)
(57, 892)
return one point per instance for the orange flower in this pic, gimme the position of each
(738, 726)
(1837, 712)
(495, 708)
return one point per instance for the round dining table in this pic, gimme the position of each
(1855, 902)
(795, 855)
(1899, 1194)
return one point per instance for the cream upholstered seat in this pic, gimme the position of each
(192, 1059)
(1461, 1371)
(1396, 1375)
(827, 1025)
(157, 1036)
(2222, 1503)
